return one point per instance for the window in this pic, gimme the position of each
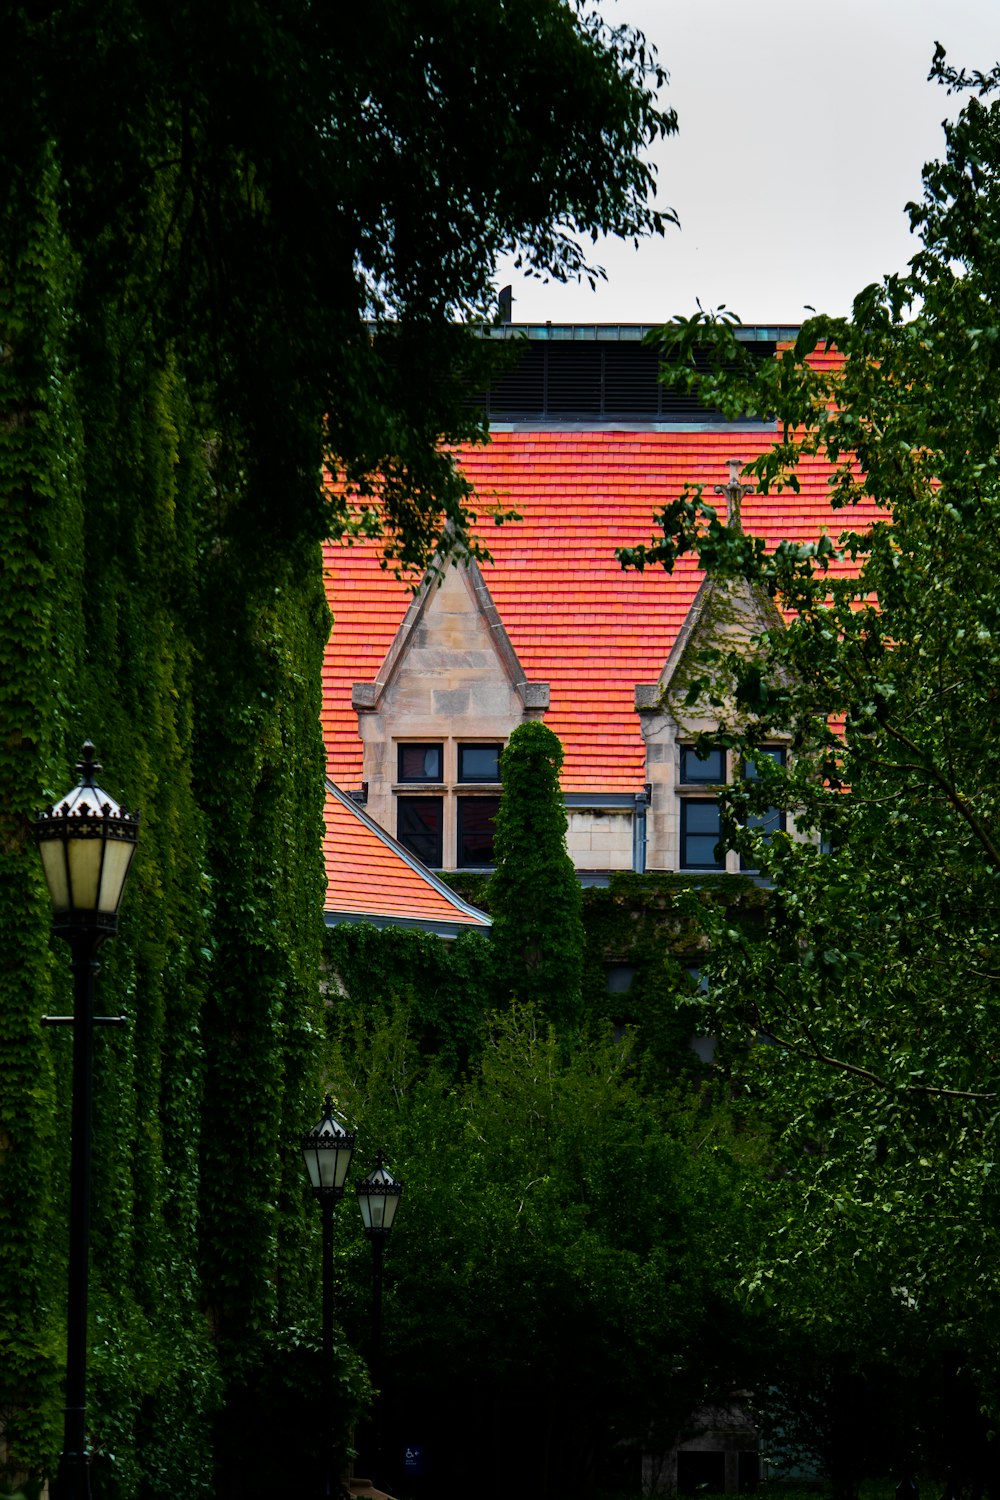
(479, 762)
(701, 822)
(420, 828)
(700, 815)
(453, 830)
(420, 763)
(772, 820)
(701, 833)
(475, 827)
(707, 769)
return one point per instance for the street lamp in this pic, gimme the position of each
(327, 1150)
(86, 844)
(378, 1199)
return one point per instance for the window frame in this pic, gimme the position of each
(461, 747)
(461, 803)
(688, 754)
(406, 804)
(757, 821)
(402, 746)
(719, 865)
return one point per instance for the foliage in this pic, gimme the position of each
(534, 892)
(251, 264)
(874, 973)
(650, 930)
(372, 972)
(564, 1254)
(318, 171)
(273, 1426)
(40, 482)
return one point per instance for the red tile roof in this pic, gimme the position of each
(575, 619)
(370, 877)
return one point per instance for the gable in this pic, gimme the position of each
(451, 657)
(727, 615)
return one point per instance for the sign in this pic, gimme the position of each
(413, 1460)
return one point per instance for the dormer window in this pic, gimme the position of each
(420, 828)
(702, 767)
(701, 818)
(701, 834)
(476, 820)
(447, 795)
(479, 763)
(420, 763)
(772, 820)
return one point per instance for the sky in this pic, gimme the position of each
(803, 126)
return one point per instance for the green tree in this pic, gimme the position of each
(874, 974)
(233, 245)
(564, 1258)
(534, 894)
(323, 175)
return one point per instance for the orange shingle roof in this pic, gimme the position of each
(575, 619)
(369, 877)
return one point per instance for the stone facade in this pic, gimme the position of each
(452, 680)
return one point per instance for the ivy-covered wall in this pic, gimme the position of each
(644, 927)
(154, 598)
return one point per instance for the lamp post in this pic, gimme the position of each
(86, 844)
(378, 1199)
(327, 1150)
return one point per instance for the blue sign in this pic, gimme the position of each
(413, 1459)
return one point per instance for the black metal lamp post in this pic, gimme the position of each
(327, 1150)
(378, 1199)
(86, 844)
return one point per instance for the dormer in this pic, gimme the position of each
(684, 821)
(437, 715)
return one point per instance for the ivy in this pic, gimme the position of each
(134, 610)
(371, 973)
(534, 892)
(39, 576)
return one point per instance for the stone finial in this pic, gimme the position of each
(734, 492)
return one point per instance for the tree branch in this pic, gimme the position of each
(958, 802)
(814, 1053)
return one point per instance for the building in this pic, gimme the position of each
(421, 691)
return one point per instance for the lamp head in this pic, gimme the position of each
(327, 1150)
(378, 1199)
(87, 842)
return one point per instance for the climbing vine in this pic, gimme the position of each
(138, 608)
(534, 892)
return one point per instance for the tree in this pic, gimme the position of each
(233, 243)
(873, 979)
(534, 894)
(321, 177)
(563, 1260)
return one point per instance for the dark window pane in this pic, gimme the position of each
(766, 752)
(479, 762)
(767, 823)
(418, 827)
(773, 820)
(475, 830)
(619, 978)
(711, 769)
(420, 763)
(701, 831)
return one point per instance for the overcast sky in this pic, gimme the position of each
(803, 128)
